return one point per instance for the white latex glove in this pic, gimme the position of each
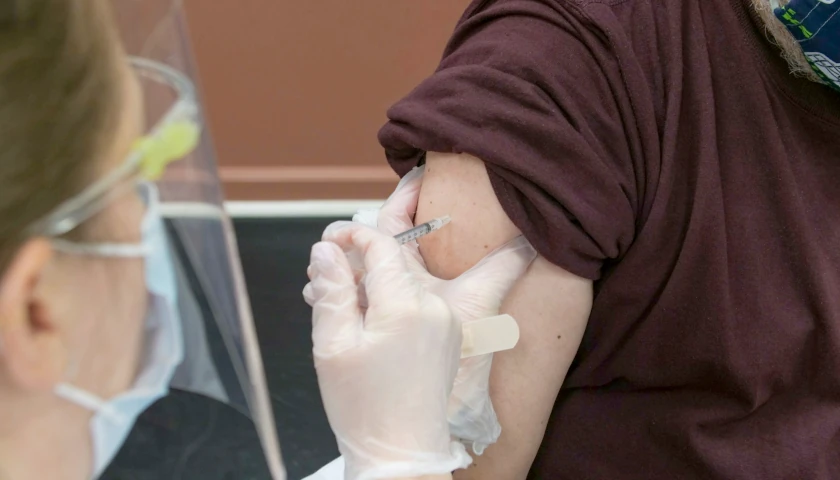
(470, 412)
(385, 371)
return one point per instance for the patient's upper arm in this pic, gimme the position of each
(550, 304)
(457, 185)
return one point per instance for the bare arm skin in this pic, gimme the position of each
(550, 304)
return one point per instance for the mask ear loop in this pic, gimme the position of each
(88, 401)
(82, 398)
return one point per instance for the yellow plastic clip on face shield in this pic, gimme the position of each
(175, 141)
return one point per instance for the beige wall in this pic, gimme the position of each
(296, 91)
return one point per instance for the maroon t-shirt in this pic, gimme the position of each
(661, 149)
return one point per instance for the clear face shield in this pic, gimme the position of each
(215, 419)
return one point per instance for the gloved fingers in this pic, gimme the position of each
(474, 424)
(333, 295)
(411, 252)
(510, 260)
(353, 256)
(367, 216)
(387, 279)
(308, 294)
(479, 291)
(397, 214)
(470, 412)
(416, 264)
(329, 232)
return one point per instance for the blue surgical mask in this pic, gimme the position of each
(815, 24)
(114, 418)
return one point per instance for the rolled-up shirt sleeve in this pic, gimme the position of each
(527, 87)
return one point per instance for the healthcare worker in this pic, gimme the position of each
(126, 339)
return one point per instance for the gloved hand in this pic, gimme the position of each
(474, 295)
(385, 370)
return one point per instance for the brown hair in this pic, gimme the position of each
(59, 104)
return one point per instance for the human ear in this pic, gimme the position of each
(32, 347)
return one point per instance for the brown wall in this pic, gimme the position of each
(296, 90)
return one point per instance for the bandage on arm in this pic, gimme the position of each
(550, 305)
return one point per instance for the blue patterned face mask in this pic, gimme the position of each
(815, 24)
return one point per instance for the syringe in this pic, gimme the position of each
(422, 229)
